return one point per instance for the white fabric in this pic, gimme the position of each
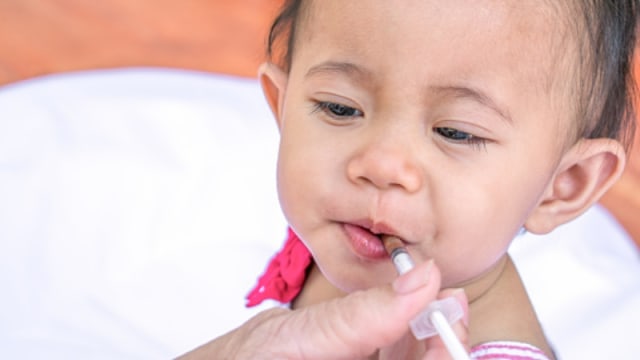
(137, 208)
(584, 281)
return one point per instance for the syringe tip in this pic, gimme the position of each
(391, 243)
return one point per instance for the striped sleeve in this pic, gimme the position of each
(507, 350)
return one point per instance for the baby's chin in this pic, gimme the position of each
(351, 282)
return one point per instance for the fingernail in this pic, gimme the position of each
(456, 292)
(410, 282)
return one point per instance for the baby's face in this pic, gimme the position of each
(431, 120)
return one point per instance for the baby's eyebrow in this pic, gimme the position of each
(473, 94)
(340, 68)
(363, 75)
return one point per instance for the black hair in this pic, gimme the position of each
(608, 36)
(282, 34)
(609, 95)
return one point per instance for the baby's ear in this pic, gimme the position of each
(274, 83)
(584, 174)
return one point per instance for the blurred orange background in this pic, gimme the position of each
(45, 37)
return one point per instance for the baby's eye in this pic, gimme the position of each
(337, 110)
(458, 136)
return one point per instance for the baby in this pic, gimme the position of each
(452, 125)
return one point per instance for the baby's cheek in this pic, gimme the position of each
(472, 257)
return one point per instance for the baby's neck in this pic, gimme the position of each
(490, 295)
(316, 289)
(476, 287)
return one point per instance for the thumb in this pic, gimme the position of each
(346, 328)
(361, 322)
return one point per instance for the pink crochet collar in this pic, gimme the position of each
(285, 275)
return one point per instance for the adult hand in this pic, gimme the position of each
(351, 327)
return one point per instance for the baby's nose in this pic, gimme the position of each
(386, 165)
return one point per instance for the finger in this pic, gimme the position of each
(350, 327)
(436, 348)
(360, 323)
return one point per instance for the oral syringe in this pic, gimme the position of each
(437, 318)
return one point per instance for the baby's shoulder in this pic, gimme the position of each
(505, 314)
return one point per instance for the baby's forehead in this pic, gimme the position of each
(539, 33)
(547, 31)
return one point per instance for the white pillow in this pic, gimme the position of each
(138, 207)
(584, 281)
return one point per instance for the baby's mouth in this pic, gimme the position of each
(392, 243)
(365, 241)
